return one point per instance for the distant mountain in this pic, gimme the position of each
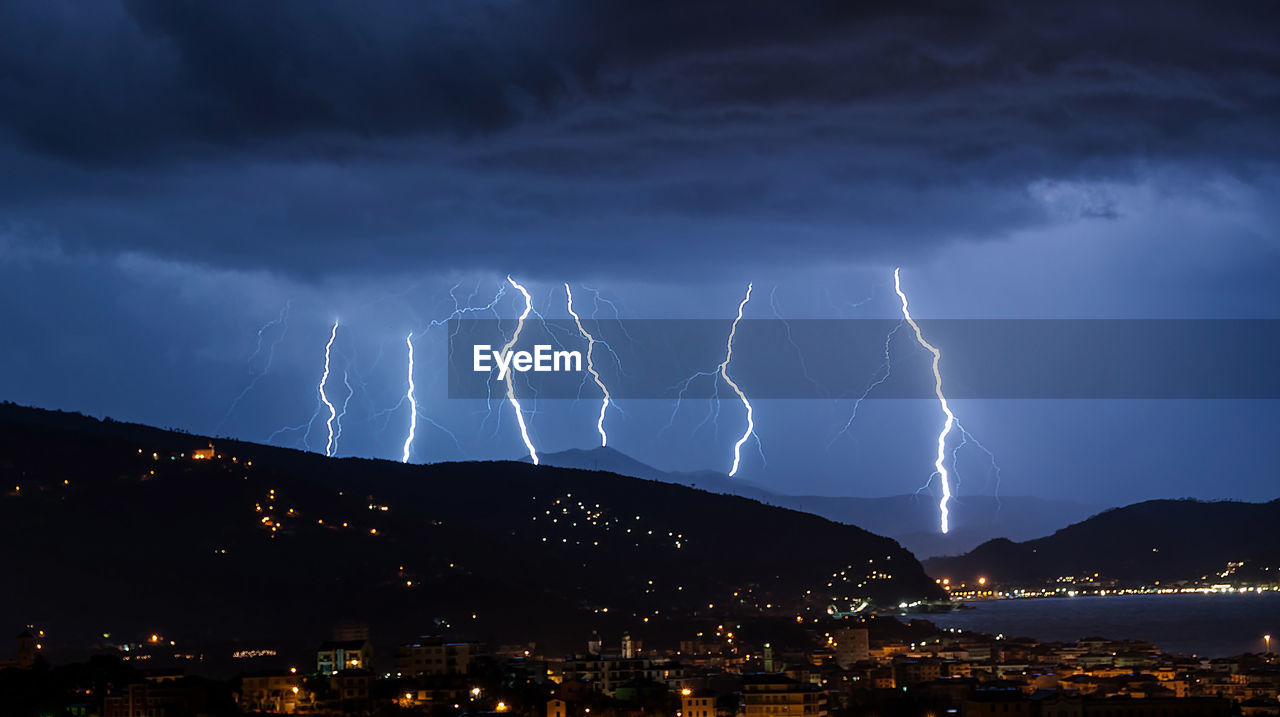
(612, 460)
(911, 520)
(1166, 540)
(118, 529)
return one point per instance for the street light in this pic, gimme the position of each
(1266, 639)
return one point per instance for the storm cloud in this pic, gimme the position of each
(316, 138)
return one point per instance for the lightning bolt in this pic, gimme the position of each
(591, 367)
(713, 409)
(993, 472)
(939, 464)
(877, 380)
(713, 403)
(617, 315)
(724, 373)
(281, 320)
(324, 379)
(511, 391)
(351, 392)
(413, 403)
(410, 396)
(777, 313)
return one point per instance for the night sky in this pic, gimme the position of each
(180, 174)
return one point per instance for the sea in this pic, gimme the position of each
(1203, 624)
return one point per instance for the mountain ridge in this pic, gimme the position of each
(909, 519)
(1172, 541)
(138, 536)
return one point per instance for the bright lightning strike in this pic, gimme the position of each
(591, 367)
(724, 373)
(410, 395)
(413, 403)
(939, 465)
(333, 412)
(511, 391)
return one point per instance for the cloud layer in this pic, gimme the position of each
(320, 138)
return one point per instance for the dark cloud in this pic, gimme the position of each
(112, 80)
(304, 136)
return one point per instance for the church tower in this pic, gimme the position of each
(26, 650)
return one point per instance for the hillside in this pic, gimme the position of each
(115, 529)
(1170, 541)
(909, 519)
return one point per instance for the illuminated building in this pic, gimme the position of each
(609, 673)
(697, 704)
(273, 692)
(766, 695)
(148, 700)
(852, 646)
(914, 671)
(434, 656)
(439, 692)
(339, 655)
(557, 708)
(353, 685)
